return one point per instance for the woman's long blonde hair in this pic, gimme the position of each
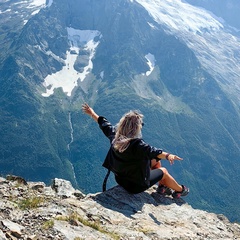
(128, 128)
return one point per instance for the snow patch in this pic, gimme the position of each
(37, 3)
(151, 63)
(49, 4)
(151, 25)
(102, 74)
(35, 12)
(180, 16)
(68, 77)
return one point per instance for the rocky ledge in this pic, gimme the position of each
(34, 211)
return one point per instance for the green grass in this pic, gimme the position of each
(94, 225)
(31, 202)
(48, 224)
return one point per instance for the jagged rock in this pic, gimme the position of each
(2, 236)
(17, 179)
(32, 237)
(114, 214)
(2, 180)
(14, 228)
(48, 191)
(39, 186)
(78, 194)
(63, 188)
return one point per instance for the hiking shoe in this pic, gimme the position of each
(163, 190)
(184, 192)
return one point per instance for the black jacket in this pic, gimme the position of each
(132, 164)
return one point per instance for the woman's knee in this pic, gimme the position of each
(165, 171)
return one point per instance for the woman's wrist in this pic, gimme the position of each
(94, 116)
(167, 155)
(92, 113)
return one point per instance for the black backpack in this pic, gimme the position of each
(105, 180)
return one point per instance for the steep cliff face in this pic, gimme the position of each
(32, 210)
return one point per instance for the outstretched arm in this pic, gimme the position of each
(104, 124)
(89, 111)
(170, 157)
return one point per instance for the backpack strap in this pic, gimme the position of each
(105, 181)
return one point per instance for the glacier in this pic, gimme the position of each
(212, 41)
(67, 78)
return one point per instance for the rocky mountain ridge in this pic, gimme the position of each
(149, 65)
(32, 210)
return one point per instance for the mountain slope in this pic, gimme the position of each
(120, 55)
(227, 11)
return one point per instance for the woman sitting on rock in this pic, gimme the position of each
(135, 163)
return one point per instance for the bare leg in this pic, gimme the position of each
(169, 181)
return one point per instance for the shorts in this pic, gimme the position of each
(155, 176)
